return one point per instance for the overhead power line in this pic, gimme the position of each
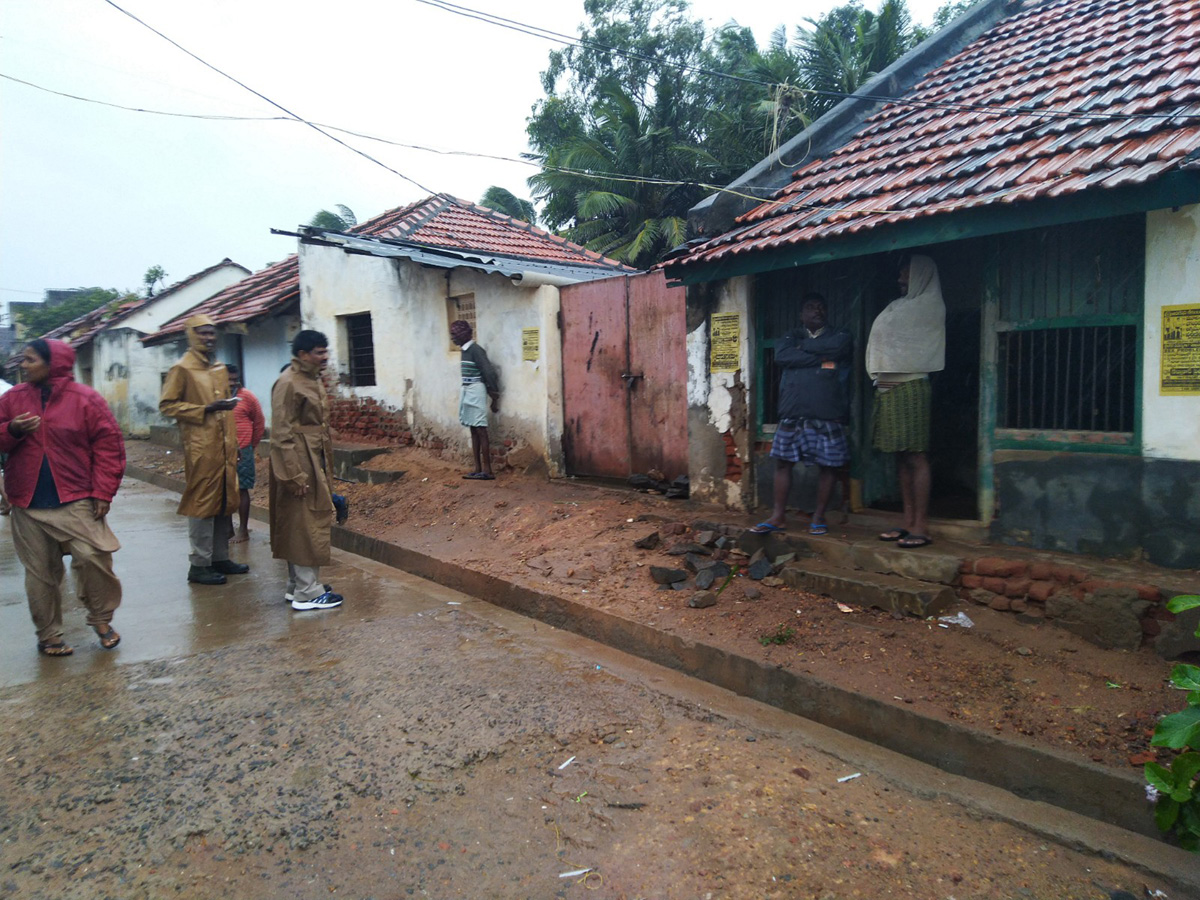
(267, 99)
(546, 34)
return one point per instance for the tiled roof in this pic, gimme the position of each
(446, 221)
(261, 294)
(83, 330)
(988, 127)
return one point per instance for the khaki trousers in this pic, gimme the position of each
(304, 582)
(42, 537)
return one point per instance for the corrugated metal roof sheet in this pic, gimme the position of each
(1107, 58)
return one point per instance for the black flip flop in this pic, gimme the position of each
(913, 541)
(894, 534)
(58, 648)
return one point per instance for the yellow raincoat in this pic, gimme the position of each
(301, 453)
(210, 446)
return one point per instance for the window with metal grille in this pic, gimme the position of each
(360, 350)
(1068, 333)
(1069, 379)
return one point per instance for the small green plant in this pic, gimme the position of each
(1178, 806)
(781, 635)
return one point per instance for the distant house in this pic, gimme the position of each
(109, 354)
(1046, 155)
(257, 316)
(386, 291)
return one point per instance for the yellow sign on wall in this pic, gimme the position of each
(1179, 373)
(531, 344)
(726, 333)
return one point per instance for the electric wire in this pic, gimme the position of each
(535, 31)
(267, 99)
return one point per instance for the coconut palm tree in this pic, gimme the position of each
(505, 201)
(629, 180)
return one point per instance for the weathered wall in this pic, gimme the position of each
(1170, 425)
(266, 348)
(417, 369)
(129, 376)
(1105, 505)
(719, 437)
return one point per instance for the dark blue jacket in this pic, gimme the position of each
(816, 375)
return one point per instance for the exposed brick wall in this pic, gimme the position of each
(1021, 586)
(365, 419)
(733, 462)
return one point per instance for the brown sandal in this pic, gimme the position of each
(56, 648)
(108, 639)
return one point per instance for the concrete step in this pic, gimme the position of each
(881, 557)
(896, 594)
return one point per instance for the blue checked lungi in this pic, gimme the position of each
(811, 441)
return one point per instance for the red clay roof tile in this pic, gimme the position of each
(1105, 59)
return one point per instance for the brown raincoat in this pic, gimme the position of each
(301, 453)
(210, 446)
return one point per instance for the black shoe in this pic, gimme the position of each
(229, 567)
(205, 575)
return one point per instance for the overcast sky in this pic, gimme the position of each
(91, 195)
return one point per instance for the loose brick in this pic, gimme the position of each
(1017, 587)
(1151, 627)
(1018, 605)
(1041, 571)
(1148, 592)
(966, 567)
(993, 566)
(972, 581)
(1001, 603)
(1068, 575)
(995, 585)
(1041, 590)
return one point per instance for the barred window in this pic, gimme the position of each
(360, 350)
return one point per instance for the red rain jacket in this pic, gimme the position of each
(78, 435)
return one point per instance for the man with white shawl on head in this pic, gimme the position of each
(907, 343)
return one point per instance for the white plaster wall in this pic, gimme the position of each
(1170, 425)
(129, 376)
(154, 315)
(719, 395)
(266, 348)
(416, 368)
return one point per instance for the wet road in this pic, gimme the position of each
(417, 742)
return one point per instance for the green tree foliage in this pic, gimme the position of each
(36, 320)
(849, 45)
(342, 220)
(154, 275)
(630, 141)
(505, 201)
(948, 12)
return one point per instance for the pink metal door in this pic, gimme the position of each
(595, 344)
(624, 377)
(657, 353)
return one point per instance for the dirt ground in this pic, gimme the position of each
(1032, 683)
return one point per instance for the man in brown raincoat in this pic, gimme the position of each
(301, 480)
(196, 395)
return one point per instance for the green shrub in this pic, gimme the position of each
(1178, 806)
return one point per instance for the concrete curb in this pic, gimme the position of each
(1041, 775)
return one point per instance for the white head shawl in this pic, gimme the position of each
(909, 336)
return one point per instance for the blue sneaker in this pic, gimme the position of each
(327, 600)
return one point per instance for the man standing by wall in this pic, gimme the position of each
(479, 382)
(196, 395)
(248, 417)
(814, 409)
(301, 478)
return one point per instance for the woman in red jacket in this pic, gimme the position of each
(66, 458)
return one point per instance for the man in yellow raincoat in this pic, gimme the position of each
(196, 395)
(301, 477)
